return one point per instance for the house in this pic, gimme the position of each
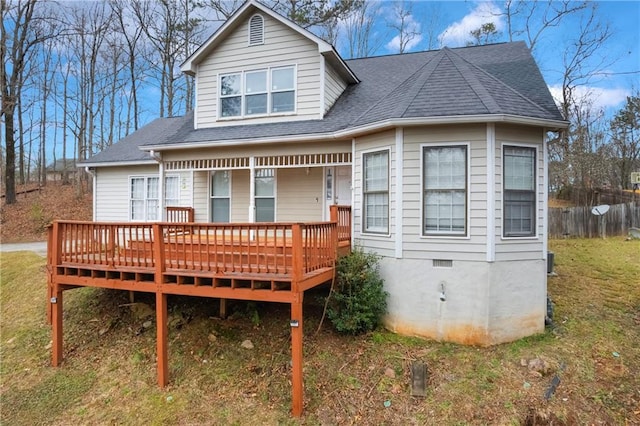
(63, 169)
(442, 156)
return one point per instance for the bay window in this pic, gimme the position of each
(445, 190)
(519, 204)
(375, 169)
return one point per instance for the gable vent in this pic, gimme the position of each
(442, 263)
(256, 30)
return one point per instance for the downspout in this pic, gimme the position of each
(158, 157)
(94, 185)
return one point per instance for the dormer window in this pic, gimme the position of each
(263, 92)
(256, 30)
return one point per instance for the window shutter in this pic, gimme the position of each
(256, 30)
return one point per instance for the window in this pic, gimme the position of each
(265, 195)
(282, 90)
(258, 92)
(375, 167)
(519, 191)
(220, 196)
(144, 201)
(255, 83)
(256, 30)
(445, 190)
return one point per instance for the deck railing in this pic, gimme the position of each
(180, 214)
(249, 248)
(342, 215)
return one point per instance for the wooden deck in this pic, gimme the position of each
(272, 262)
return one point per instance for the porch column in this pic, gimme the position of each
(252, 189)
(161, 200)
(296, 356)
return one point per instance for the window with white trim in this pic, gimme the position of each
(258, 92)
(220, 196)
(256, 30)
(445, 190)
(265, 195)
(375, 171)
(144, 201)
(519, 205)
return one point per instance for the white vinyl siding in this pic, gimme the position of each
(520, 248)
(470, 246)
(383, 244)
(334, 86)
(113, 187)
(300, 194)
(281, 47)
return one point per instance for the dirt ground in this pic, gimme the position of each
(27, 220)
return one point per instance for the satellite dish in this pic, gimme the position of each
(600, 210)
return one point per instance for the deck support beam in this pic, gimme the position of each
(296, 356)
(56, 325)
(162, 339)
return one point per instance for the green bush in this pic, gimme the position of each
(358, 300)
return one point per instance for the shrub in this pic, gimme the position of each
(358, 300)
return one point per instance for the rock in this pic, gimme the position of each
(538, 365)
(147, 324)
(212, 337)
(524, 362)
(390, 373)
(247, 344)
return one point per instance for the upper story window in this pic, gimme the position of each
(256, 30)
(258, 92)
(445, 190)
(519, 206)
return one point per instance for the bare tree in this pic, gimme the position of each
(625, 141)
(407, 28)
(18, 36)
(361, 37)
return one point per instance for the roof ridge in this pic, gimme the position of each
(483, 94)
(495, 79)
(385, 98)
(424, 72)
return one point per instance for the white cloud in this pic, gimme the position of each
(599, 97)
(394, 44)
(458, 33)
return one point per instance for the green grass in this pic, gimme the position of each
(109, 377)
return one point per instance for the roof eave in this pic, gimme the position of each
(117, 163)
(549, 124)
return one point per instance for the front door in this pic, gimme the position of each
(337, 187)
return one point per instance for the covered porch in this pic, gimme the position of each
(270, 262)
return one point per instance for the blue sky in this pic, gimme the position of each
(621, 56)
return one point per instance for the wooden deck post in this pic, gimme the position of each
(333, 213)
(296, 356)
(161, 308)
(56, 325)
(50, 267)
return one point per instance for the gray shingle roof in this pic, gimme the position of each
(469, 81)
